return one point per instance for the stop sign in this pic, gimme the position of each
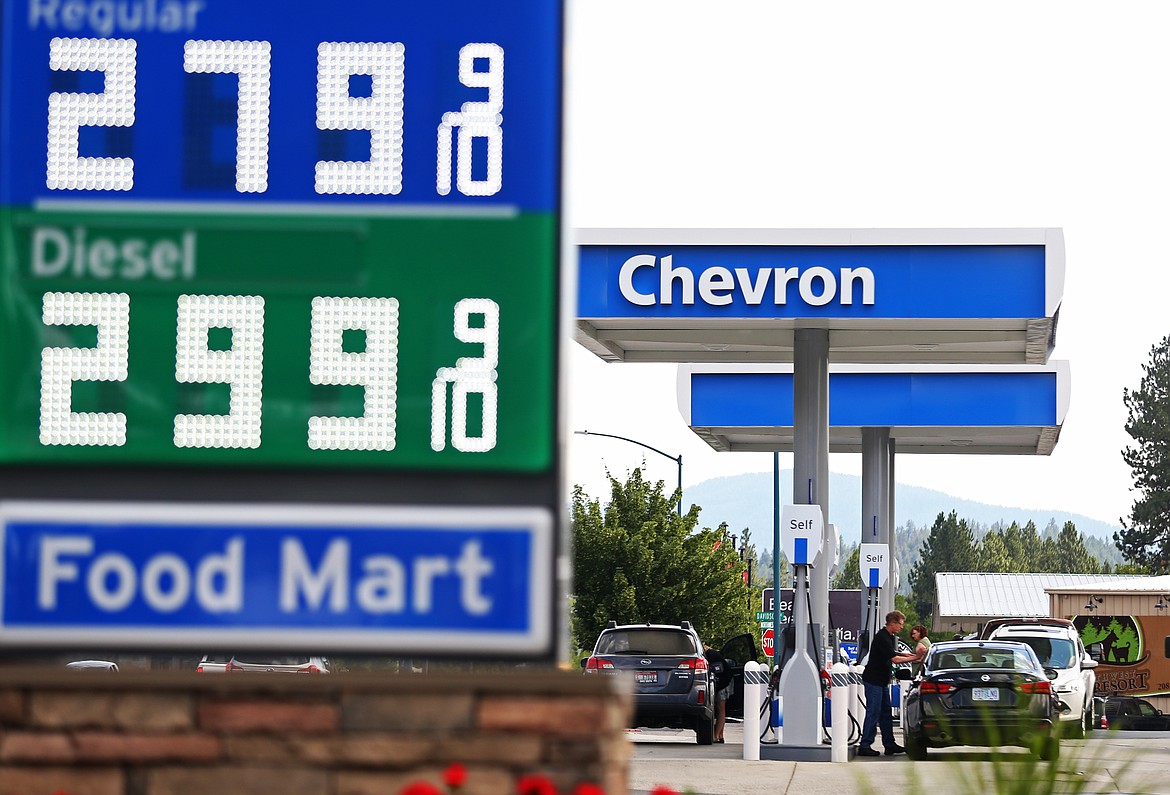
(768, 643)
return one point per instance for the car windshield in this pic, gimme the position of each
(646, 641)
(1053, 652)
(955, 658)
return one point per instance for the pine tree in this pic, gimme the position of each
(1071, 555)
(993, 554)
(1144, 538)
(949, 547)
(848, 575)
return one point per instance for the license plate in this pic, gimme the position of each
(646, 677)
(985, 694)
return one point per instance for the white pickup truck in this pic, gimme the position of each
(1058, 645)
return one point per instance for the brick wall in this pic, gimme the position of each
(165, 733)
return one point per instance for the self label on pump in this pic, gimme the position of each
(801, 533)
(874, 561)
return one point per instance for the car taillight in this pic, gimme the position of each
(1104, 721)
(935, 687)
(199, 669)
(1037, 687)
(694, 663)
(595, 664)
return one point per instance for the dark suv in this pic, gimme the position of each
(1128, 713)
(672, 684)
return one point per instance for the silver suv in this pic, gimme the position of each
(1057, 643)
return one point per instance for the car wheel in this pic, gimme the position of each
(1050, 748)
(915, 746)
(705, 731)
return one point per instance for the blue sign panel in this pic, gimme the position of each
(303, 577)
(862, 282)
(877, 399)
(267, 102)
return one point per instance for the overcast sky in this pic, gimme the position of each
(911, 114)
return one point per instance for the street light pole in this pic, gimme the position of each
(677, 459)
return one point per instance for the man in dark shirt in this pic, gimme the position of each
(876, 681)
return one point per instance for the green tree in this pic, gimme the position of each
(639, 561)
(763, 575)
(1144, 537)
(949, 547)
(993, 554)
(1071, 555)
(908, 609)
(849, 572)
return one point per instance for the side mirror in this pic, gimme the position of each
(584, 660)
(904, 675)
(1051, 673)
(1088, 662)
(730, 662)
(1097, 650)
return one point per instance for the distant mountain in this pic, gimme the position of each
(747, 501)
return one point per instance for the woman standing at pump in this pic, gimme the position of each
(921, 641)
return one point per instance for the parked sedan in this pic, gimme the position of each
(986, 693)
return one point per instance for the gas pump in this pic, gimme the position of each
(874, 562)
(801, 534)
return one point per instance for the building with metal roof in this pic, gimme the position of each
(964, 600)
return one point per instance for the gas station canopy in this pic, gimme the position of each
(997, 409)
(885, 295)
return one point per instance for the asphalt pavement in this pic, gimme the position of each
(1117, 762)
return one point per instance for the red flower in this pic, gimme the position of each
(420, 788)
(588, 789)
(535, 785)
(455, 776)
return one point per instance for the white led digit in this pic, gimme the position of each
(380, 113)
(242, 367)
(252, 61)
(69, 111)
(60, 367)
(475, 120)
(375, 369)
(470, 375)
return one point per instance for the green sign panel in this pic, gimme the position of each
(278, 340)
(282, 237)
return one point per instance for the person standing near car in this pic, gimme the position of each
(717, 665)
(876, 681)
(921, 641)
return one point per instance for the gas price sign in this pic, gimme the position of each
(279, 252)
(264, 234)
